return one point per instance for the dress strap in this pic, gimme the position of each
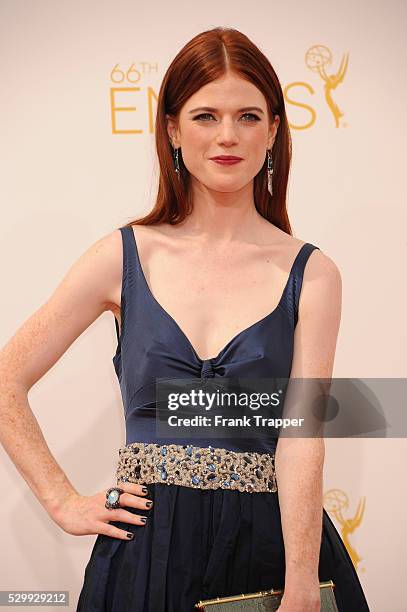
(128, 271)
(298, 275)
(117, 330)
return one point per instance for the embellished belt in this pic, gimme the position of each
(196, 467)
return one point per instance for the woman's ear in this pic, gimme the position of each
(273, 131)
(172, 130)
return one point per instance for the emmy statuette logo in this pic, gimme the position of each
(317, 59)
(336, 502)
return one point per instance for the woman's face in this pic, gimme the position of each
(224, 130)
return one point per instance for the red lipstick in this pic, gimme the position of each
(226, 160)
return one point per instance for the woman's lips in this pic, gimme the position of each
(227, 162)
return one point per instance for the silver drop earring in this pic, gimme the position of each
(270, 172)
(176, 163)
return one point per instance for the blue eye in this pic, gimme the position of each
(255, 117)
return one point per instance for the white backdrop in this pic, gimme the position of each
(74, 168)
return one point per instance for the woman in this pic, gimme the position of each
(208, 284)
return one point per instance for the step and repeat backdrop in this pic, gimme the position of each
(80, 82)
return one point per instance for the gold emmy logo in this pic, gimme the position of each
(129, 95)
(335, 501)
(317, 58)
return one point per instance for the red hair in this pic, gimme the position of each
(209, 56)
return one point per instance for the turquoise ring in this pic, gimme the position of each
(113, 498)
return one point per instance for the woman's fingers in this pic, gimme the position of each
(86, 515)
(113, 532)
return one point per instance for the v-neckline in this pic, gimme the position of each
(179, 328)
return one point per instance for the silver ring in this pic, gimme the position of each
(113, 498)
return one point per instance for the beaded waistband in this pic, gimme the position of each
(196, 467)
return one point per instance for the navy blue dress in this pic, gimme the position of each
(200, 543)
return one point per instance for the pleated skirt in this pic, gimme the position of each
(199, 544)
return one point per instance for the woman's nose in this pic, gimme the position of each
(227, 132)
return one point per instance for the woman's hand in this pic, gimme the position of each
(87, 515)
(302, 596)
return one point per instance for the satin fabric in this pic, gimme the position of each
(199, 544)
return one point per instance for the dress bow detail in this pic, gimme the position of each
(207, 369)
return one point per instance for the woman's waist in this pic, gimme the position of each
(197, 466)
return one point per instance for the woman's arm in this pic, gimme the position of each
(84, 293)
(299, 461)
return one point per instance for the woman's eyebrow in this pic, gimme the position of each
(214, 110)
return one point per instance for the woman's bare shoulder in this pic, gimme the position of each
(319, 262)
(322, 285)
(80, 297)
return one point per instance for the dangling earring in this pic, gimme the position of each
(176, 162)
(270, 172)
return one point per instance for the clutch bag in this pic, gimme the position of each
(264, 601)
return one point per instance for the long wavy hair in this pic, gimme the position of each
(209, 56)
